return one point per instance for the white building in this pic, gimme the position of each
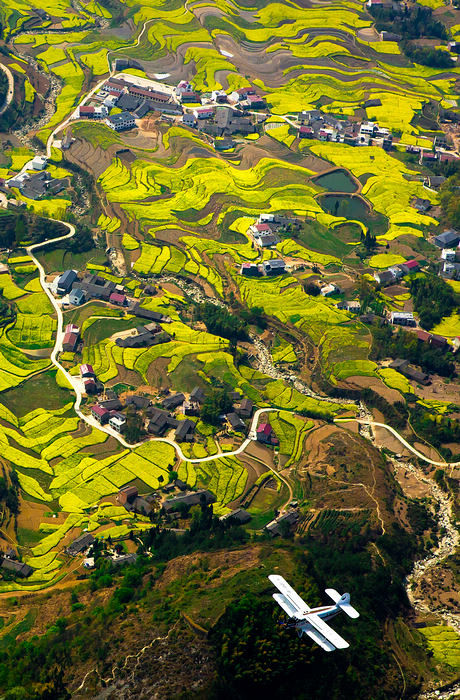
(448, 254)
(330, 289)
(39, 162)
(118, 422)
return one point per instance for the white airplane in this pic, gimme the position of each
(310, 621)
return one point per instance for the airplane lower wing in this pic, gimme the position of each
(327, 632)
(289, 594)
(318, 638)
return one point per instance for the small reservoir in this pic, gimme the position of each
(348, 206)
(337, 181)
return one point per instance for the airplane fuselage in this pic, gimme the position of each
(325, 612)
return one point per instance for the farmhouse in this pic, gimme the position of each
(238, 515)
(189, 119)
(282, 523)
(405, 369)
(384, 278)
(91, 386)
(448, 239)
(197, 395)
(235, 422)
(246, 408)
(152, 95)
(201, 497)
(16, 567)
(123, 559)
(185, 430)
(139, 402)
(139, 310)
(118, 299)
(329, 289)
(306, 132)
(100, 413)
(264, 433)
(77, 297)
(203, 113)
(448, 254)
(403, 318)
(241, 94)
(410, 266)
(127, 495)
(144, 336)
(120, 122)
(118, 422)
(173, 401)
(111, 403)
(421, 205)
(66, 281)
(249, 270)
(276, 266)
(80, 544)
(87, 371)
(70, 342)
(434, 182)
(95, 287)
(160, 421)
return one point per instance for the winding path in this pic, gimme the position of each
(401, 440)
(10, 92)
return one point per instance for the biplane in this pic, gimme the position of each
(311, 621)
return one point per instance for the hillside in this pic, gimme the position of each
(229, 286)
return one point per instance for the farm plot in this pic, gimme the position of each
(291, 431)
(225, 477)
(192, 186)
(332, 331)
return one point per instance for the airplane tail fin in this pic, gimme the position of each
(343, 601)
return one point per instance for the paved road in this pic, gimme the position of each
(401, 439)
(10, 93)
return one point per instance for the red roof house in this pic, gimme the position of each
(86, 111)
(264, 432)
(423, 336)
(262, 228)
(411, 265)
(72, 328)
(118, 299)
(70, 342)
(90, 386)
(100, 413)
(87, 371)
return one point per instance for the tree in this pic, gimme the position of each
(217, 402)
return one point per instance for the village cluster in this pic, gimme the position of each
(123, 100)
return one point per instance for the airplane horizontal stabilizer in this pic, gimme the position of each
(343, 601)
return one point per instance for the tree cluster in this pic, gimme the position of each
(433, 299)
(450, 201)
(410, 22)
(216, 403)
(15, 228)
(9, 493)
(221, 322)
(387, 343)
(435, 58)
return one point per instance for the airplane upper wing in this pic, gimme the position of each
(327, 632)
(289, 593)
(285, 604)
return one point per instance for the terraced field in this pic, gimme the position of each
(177, 209)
